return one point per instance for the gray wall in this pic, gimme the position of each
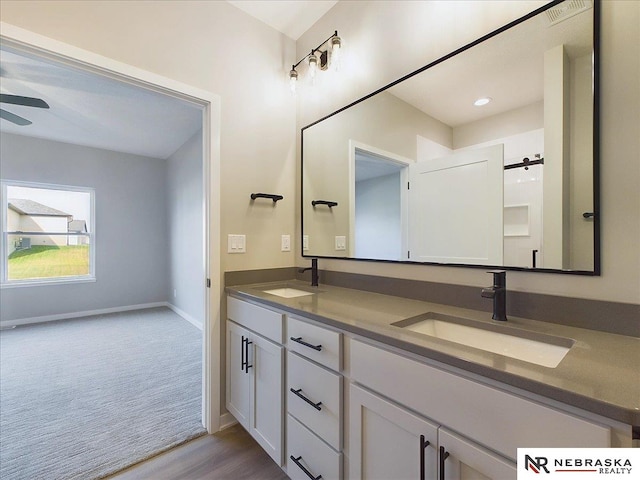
(185, 211)
(131, 226)
(378, 226)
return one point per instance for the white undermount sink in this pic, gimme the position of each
(538, 348)
(287, 292)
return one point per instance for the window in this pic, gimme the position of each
(47, 234)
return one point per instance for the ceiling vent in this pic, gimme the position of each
(567, 9)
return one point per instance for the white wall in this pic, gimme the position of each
(185, 211)
(131, 226)
(385, 40)
(507, 124)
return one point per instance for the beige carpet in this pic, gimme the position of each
(83, 398)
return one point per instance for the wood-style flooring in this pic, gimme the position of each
(231, 454)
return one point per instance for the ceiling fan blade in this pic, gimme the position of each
(13, 118)
(20, 100)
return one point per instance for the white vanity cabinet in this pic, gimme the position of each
(479, 428)
(380, 412)
(462, 459)
(255, 373)
(387, 441)
(314, 401)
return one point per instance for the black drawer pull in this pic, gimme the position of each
(242, 360)
(301, 342)
(247, 342)
(443, 456)
(423, 445)
(296, 460)
(298, 394)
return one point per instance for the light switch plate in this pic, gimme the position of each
(285, 243)
(341, 242)
(305, 242)
(236, 243)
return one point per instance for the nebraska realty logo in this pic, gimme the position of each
(582, 463)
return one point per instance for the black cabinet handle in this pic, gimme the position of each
(272, 196)
(423, 444)
(328, 203)
(296, 460)
(246, 354)
(301, 342)
(299, 395)
(443, 456)
(242, 360)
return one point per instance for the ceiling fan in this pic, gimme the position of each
(19, 100)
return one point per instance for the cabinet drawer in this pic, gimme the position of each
(261, 320)
(492, 417)
(311, 453)
(317, 385)
(317, 343)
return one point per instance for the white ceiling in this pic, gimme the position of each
(93, 110)
(291, 17)
(508, 68)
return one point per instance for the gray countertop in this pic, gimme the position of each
(600, 373)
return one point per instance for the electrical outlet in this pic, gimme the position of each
(236, 243)
(305, 243)
(285, 243)
(341, 242)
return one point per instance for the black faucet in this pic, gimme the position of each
(498, 291)
(314, 272)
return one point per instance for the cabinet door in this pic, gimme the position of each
(387, 441)
(468, 461)
(238, 379)
(267, 408)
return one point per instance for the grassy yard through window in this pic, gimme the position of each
(48, 262)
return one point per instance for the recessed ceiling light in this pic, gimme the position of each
(482, 101)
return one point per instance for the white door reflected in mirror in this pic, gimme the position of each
(456, 208)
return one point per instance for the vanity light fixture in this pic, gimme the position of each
(482, 101)
(318, 58)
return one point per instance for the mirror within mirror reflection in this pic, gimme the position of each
(418, 173)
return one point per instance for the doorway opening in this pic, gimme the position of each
(35, 46)
(378, 191)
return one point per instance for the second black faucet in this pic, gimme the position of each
(498, 291)
(314, 272)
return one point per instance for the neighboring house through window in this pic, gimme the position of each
(48, 233)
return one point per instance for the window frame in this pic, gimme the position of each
(5, 282)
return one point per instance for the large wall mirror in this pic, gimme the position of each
(415, 172)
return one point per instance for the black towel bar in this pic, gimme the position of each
(324, 202)
(272, 196)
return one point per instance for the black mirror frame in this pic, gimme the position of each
(596, 149)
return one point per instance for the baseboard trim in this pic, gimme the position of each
(192, 320)
(227, 420)
(86, 313)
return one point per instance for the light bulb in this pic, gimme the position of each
(336, 48)
(313, 65)
(482, 101)
(293, 80)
